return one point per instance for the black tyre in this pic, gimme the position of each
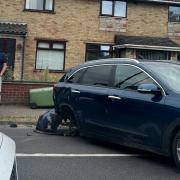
(56, 120)
(176, 149)
(68, 122)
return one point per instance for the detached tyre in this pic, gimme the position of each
(176, 149)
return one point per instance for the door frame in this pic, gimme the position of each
(14, 49)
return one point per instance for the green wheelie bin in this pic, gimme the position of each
(41, 97)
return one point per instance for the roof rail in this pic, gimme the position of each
(128, 59)
(123, 59)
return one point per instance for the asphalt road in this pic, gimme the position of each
(48, 157)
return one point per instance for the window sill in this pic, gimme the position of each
(39, 11)
(50, 71)
(174, 22)
(115, 17)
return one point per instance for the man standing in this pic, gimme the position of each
(3, 67)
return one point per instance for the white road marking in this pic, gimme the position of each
(77, 155)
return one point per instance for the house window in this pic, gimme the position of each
(39, 5)
(113, 8)
(142, 54)
(174, 14)
(98, 51)
(50, 55)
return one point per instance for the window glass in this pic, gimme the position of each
(49, 5)
(107, 7)
(43, 45)
(169, 73)
(91, 46)
(58, 46)
(105, 48)
(113, 8)
(34, 4)
(174, 14)
(76, 77)
(52, 60)
(120, 8)
(98, 51)
(49, 58)
(97, 75)
(39, 4)
(151, 54)
(129, 77)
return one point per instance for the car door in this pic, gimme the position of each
(91, 100)
(134, 116)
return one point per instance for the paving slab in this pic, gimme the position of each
(20, 114)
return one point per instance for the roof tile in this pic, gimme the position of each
(8, 27)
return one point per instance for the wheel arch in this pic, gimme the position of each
(168, 136)
(66, 107)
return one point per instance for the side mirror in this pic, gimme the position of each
(149, 88)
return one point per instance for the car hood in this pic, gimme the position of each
(7, 156)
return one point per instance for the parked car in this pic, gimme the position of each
(124, 101)
(41, 97)
(8, 167)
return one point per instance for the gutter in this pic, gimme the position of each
(161, 1)
(22, 65)
(163, 48)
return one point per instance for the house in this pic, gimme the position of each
(58, 34)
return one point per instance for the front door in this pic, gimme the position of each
(7, 46)
(135, 116)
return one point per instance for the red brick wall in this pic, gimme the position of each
(17, 92)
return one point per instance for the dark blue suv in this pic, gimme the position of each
(124, 101)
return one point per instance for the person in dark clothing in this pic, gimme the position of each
(3, 67)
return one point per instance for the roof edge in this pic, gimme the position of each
(134, 46)
(160, 1)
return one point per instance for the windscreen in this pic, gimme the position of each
(168, 73)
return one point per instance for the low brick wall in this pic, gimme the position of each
(17, 92)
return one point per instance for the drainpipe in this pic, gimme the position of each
(22, 66)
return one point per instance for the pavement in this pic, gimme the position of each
(50, 157)
(19, 114)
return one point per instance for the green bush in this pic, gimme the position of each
(8, 75)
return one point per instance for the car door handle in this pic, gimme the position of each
(75, 91)
(114, 97)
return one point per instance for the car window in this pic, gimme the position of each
(129, 78)
(168, 73)
(76, 76)
(97, 75)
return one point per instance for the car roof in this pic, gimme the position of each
(123, 61)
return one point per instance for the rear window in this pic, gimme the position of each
(97, 75)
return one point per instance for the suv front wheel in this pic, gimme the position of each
(176, 149)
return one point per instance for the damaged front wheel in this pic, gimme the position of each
(63, 123)
(68, 125)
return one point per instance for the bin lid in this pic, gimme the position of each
(41, 89)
